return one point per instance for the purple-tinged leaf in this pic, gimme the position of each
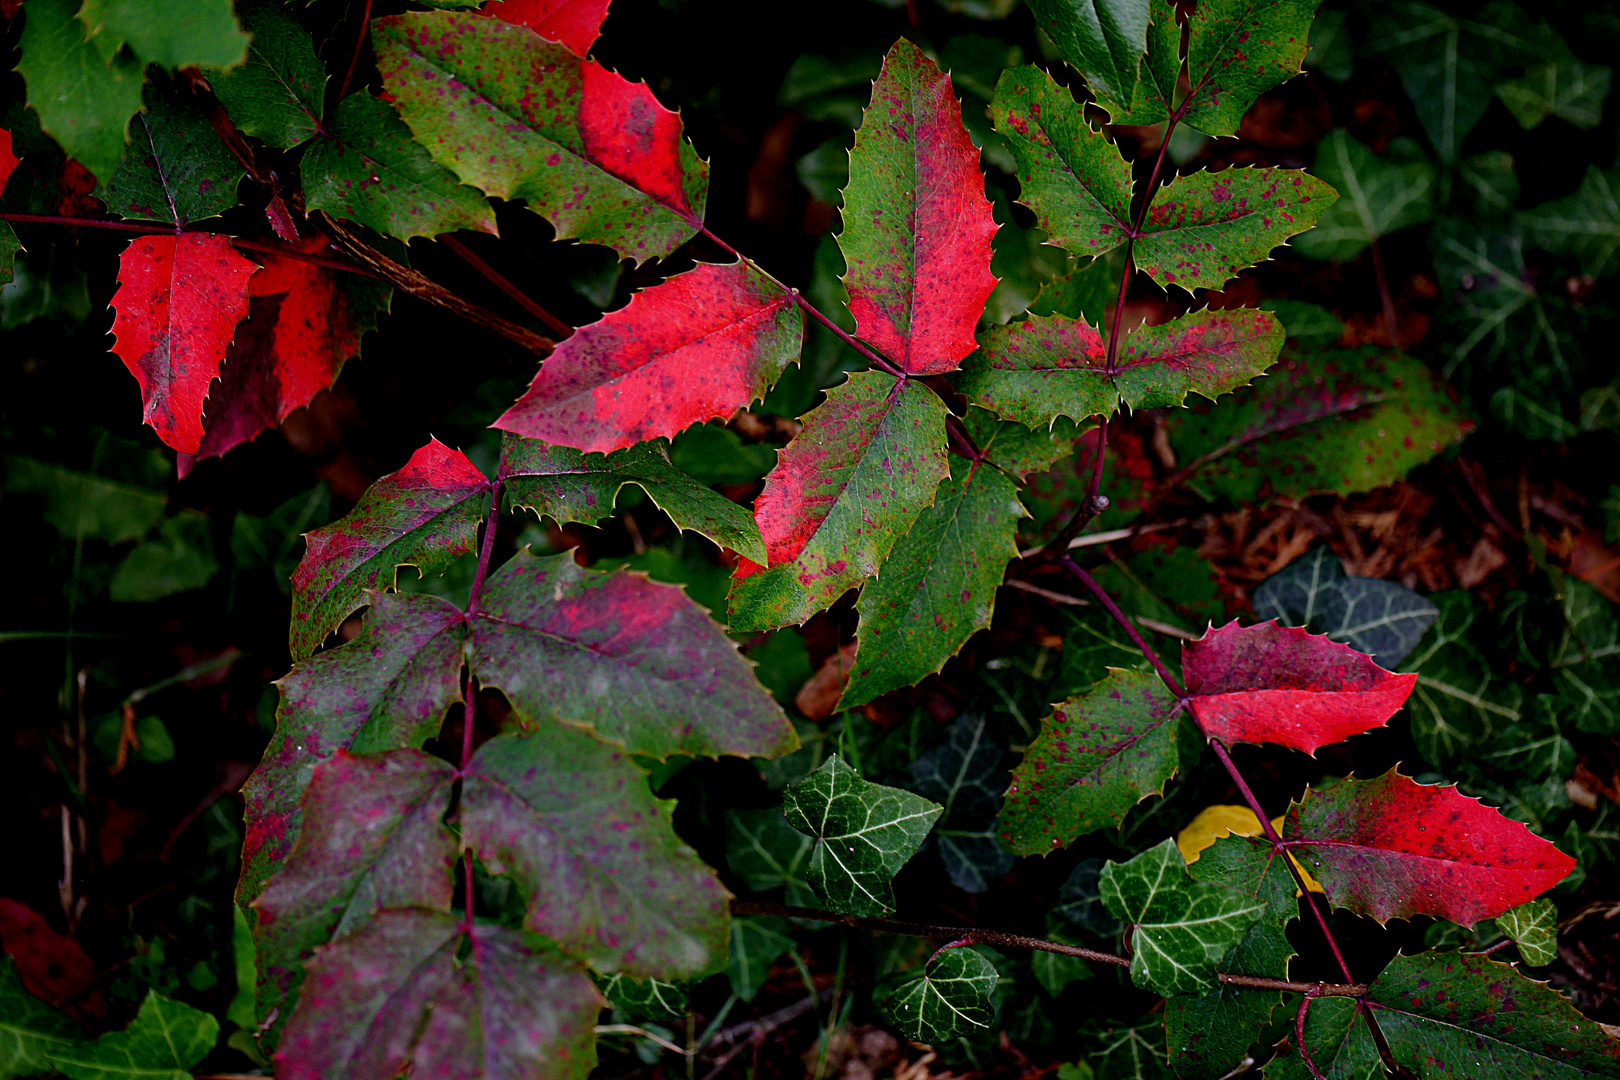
(175, 169)
(1207, 352)
(1236, 51)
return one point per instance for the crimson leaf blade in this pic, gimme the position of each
(572, 23)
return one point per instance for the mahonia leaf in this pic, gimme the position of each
(572, 23)
(1179, 928)
(84, 100)
(1585, 225)
(864, 833)
(1392, 848)
(421, 993)
(696, 347)
(1534, 929)
(373, 838)
(424, 515)
(636, 661)
(951, 998)
(1278, 684)
(843, 493)
(164, 1041)
(388, 689)
(756, 943)
(1381, 196)
(8, 160)
(30, 1030)
(200, 33)
(1016, 448)
(573, 821)
(175, 168)
(569, 485)
(1586, 660)
(1565, 88)
(178, 302)
(766, 853)
(1105, 40)
(276, 95)
(1096, 756)
(1380, 618)
(1236, 51)
(917, 226)
(1339, 1043)
(520, 117)
(366, 167)
(646, 999)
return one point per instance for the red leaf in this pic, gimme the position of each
(8, 160)
(53, 966)
(571, 23)
(1278, 684)
(1392, 848)
(178, 302)
(700, 345)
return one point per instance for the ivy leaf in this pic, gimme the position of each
(950, 999)
(1534, 929)
(202, 33)
(843, 493)
(423, 515)
(1381, 196)
(638, 662)
(573, 821)
(519, 117)
(1281, 685)
(373, 838)
(1586, 661)
(1391, 848)
(973, 855)
(966, 775)
(1105, 40)
(84, 100)
(756, 943)
(178, 302)
(163, 1042)
(366, 167)
(1096, 756)
(175, 168)
(864, 833)
(276, 95)
(917, 226)
(1460, 701)
(1379, 618)
(30, 1030)
(1179, 928)
(698, 346)
(571, 23)
(646, 999)
(1585, 225)
(419, 992)
(1565, 88)
(1236, 51)
(766, 853)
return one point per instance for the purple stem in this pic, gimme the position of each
(469, 709)
(1129, 627)
(354, 58)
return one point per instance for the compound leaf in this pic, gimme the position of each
(30, 1030)
(951, 998)
(1380, 196)
(84, 100)
(163, 1042)
(1236, 51)
(695, 347)
(175, 168)
(1392, 848)
(520, 117)
(1380, 618)
(1534, 929)
(276, 95)
(917, 226)
(571, 23)
(1096, 756)
(863, 833)
(200, 33)
(1585, 225)
(1281, 685)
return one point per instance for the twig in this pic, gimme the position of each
(354, 58)
(1108, 536)
(554, 324)
(1129, 627)
(631, 1029)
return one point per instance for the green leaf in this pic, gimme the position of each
(1097, 756)
(1339, 1043)
(1129, 1053)
(767, 853)
(1236, 51)
(276, 96)
(84, 101)
(864, 833)
(30, 1030)
(950, 999)
(9, 247)
(711, 454)
(1378, 196)
(1497, 313)
(1489, 183)
(757, 941)
(646, 999)
(200, 33)
(81, 505)
(1331, 50)
(1535, 746)
(163, 1042)
(1105, 40)
(179, 559)
(1586, 661)
(1379, 618)
(1565, 88)
(1016, 448)
(1585, 225)
(1460, 700)
(1180, 928)
(175, 169)
(966, 775)
(1534, 929)
(569, 485)
(366, 167)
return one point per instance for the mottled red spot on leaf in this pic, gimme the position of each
(572, 23)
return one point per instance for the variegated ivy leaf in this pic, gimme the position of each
(967, 774)
(766, 853)
(1179, 927)
(646, 999)
(756, 943)
(1383, 619)
(950, 999)
(164, 1042)
(1460, 701)
(1586, 662)
(1534, 929)
(1381, 195)
(864, 833)
(1585, 225)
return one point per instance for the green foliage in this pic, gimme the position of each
(1534, 929)
(275, 95)
(31, 1032)
(950, 999)
(85, 99)
(1378, 196)
(1379, 618)
(175, 169)
(164, 1041)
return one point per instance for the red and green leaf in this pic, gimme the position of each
(424, 515)
(520, 117)
(178, 302)
(571, 23)
(1282, 685)
(1392, 848)
(696, 347)
(1236, 51)
(1208, 353)
(842, 494)
(917, 226)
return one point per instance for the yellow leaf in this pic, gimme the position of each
(1214, 822)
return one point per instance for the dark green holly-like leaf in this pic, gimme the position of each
(950, 999)
(200, 33)
(767, 853)
(1376, 617)
(1236, 51)
(1097, 756)
(1585, 225)
(276, 95)
(646, 999)
(1106, 40)
(1180, 928)
(84, 100)
(30, 1030)
(1379, 196)
(1459, 700)
(175, 168)
(1586, 661)
(1534, 929)
(1339, 1044)
(163, 1042)
(756, 943)
(1565, 88)
(864, 833)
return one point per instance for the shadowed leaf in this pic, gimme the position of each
(1585, 225)
(766, 853)
(200, 32)
(646, 999)
(1380, 196)
(1565, 88)
(30, 1030)
(276, 95)
(1380, 618)
(1534, 929)
(175, 169)
(1236, 51)
(1107, 42)
(164, 1041)
(950, 999)
(756, 943)
(1586, 661)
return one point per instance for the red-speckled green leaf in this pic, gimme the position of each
(418, 993)
(1070, 175)
(425, 515)
(1205, 228)
(366, 167)
(573, 23)
(1236, 51)
(569, 485)
(178, 302)
(1392, 848)
(388, 689)
(1208, 353)
(1097, 756)
(175, 168)
(573, 822)
(520, 117)
(1283, 685)
(842, 494)
(917, 226)
(636, 661)
(375, 838)
(698, 346)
